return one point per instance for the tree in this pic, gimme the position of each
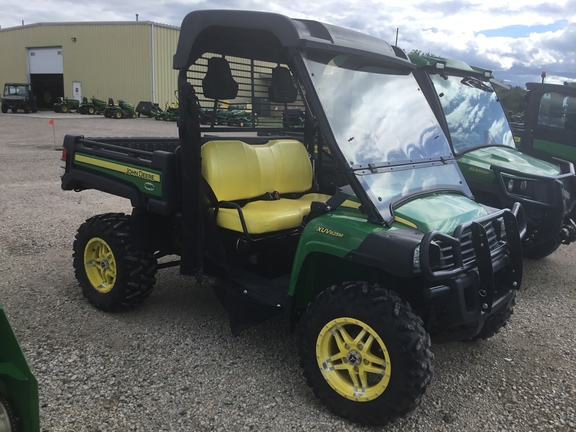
(513, 101)
(420, 53)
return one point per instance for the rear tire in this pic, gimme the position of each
(8, 417)
(365, 353)
(4, 109)
(64, 108)
(14, 110)
(113, 276)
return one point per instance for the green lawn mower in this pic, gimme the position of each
(65, 105)
(94, 106)
(120, 111)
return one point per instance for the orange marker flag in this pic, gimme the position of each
(51, 122)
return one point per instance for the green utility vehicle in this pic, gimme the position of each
(468, 108)
(360, 232)
(94, 106)
(550, 121)
(65, 105)
(18, 96)
(19, 411)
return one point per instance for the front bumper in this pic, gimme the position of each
(547, 215)
(479, 269)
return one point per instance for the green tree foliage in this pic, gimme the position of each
(420, 53)
(513, 100)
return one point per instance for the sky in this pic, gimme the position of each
(515, 39)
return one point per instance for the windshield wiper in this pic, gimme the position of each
(476, 83)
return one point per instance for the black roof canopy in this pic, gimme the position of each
(267, 36)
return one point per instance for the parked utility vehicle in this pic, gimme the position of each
(467, 106)
(362, 232)
(19, 410)
(550, 121)
(18, 96)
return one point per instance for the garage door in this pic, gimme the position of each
(46, 75)
(45, 60)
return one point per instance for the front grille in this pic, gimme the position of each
(496, 236)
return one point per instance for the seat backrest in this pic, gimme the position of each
(218, 83)
(236, 170)
(281, 89)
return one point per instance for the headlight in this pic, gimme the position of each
(416, 259)
(434, 257)
(522, 187)
(510, 185)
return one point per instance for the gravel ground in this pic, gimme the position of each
(173, 365)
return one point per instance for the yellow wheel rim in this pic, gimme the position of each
(100, 265)
(353, 359)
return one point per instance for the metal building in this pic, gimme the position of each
(120, 60)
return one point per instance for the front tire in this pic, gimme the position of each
(113, 276)
(365, 353)
(8, 417)
(542, 250)
(496, 322)
(4, 109)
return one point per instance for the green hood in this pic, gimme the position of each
(440, 212)
(477, 163)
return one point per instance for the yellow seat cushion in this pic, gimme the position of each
(262, 217)
(238, 171)
(268, 216)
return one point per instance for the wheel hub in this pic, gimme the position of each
(354, 357)
(100, 265)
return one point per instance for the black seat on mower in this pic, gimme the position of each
(281, 89)
(218, 83)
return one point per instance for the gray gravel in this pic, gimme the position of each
(173, 365)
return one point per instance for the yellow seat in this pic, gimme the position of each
(238, 171)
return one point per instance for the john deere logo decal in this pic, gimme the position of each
(106, 164)
(479, 170)
(149, 186)
(328, 231)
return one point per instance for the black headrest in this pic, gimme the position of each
(218, 82)
(281, 89)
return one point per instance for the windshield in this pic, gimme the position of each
(15, 90)
(473, 112)
(379, 116)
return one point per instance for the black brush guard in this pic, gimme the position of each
(487, 260)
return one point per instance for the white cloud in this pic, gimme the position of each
(449, 28)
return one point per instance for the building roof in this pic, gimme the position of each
(88, 23)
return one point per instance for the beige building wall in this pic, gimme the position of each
(166, 82)
(109, 59)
